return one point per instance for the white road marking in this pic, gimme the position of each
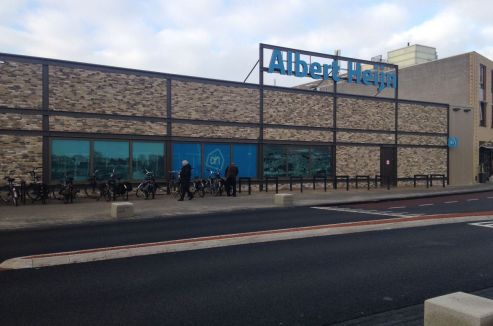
(422, 205)
(360, 211)
(397, 207)
(487, 224)
(489, 197)
(451, 202)
(472, 199)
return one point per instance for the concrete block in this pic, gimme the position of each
(458, 309)
(124, 209)
(283, 199)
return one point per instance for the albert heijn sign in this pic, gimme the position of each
(289, 62)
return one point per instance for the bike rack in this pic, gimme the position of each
(379, 178)
(341, 178)
(364, 177)
(249, 180)
(437, 176)
(266, 180)
(422, 177)
(291, 183)
(320, 178)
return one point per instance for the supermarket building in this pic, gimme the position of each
(70, 118)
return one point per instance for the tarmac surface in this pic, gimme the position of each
(85, 210)
(90, 211)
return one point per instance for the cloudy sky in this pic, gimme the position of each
(219, 38)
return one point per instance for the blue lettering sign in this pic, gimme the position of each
(300, 68)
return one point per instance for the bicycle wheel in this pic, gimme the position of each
(92, 191)
(34, 192)
(57, 192)
(139, 193)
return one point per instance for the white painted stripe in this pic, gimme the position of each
(473, 199)
(397, 207)
(489, 197)
(422, 205)
(359, 211)
(451, 202)
(487, 224)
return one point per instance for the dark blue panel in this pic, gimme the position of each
(192, 152)
(245, 158)
(216, 158)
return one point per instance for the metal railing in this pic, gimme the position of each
(418, 177)
(363, 177)
(437, 176)
(249, 180)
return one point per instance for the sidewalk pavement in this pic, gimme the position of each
(85, 210)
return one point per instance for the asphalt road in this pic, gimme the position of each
(316, 281)
(28, 242)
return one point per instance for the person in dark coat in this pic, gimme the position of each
(185, 176)
(231, 173)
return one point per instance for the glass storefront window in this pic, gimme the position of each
(298, 161)
(321, 162)
(69, 158)
(192, 152)
(245, 158)
(109, 155)
(274, 161)
(216, 158)
(147, 156)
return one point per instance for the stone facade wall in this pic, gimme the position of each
(21, 121)
(58, 123)
(356, 137)
(93, 91)
(365, 114)
(298, 109)
(20, 154)
(358, 160)
(21, 85)
(214, 131)
(422, 118)
(201, 101)
(422, 140)
(411, 161)
(297, 134)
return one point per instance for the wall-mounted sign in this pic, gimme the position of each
(293, 65)
(453, 142)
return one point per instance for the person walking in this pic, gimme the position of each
(185, 176)
(231, 174)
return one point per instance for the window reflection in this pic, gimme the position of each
(147, 156)
(109, 155)
(69, 158)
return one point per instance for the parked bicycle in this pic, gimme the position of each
(115, 188)
(11, 194)
(36, 190)
(66, 191)
(215, 184)
(174, 184)
(147, 187)
(93, 189)
(198, 187)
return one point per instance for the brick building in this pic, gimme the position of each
(70, 118)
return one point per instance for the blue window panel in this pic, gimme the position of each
(216, 158)
(245, 158)
(109, 155)
(192, 152)
(69, 158)
(147, 156)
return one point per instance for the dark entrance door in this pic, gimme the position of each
(388, 165)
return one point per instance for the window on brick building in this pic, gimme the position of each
(482, 114)
(482, 82)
